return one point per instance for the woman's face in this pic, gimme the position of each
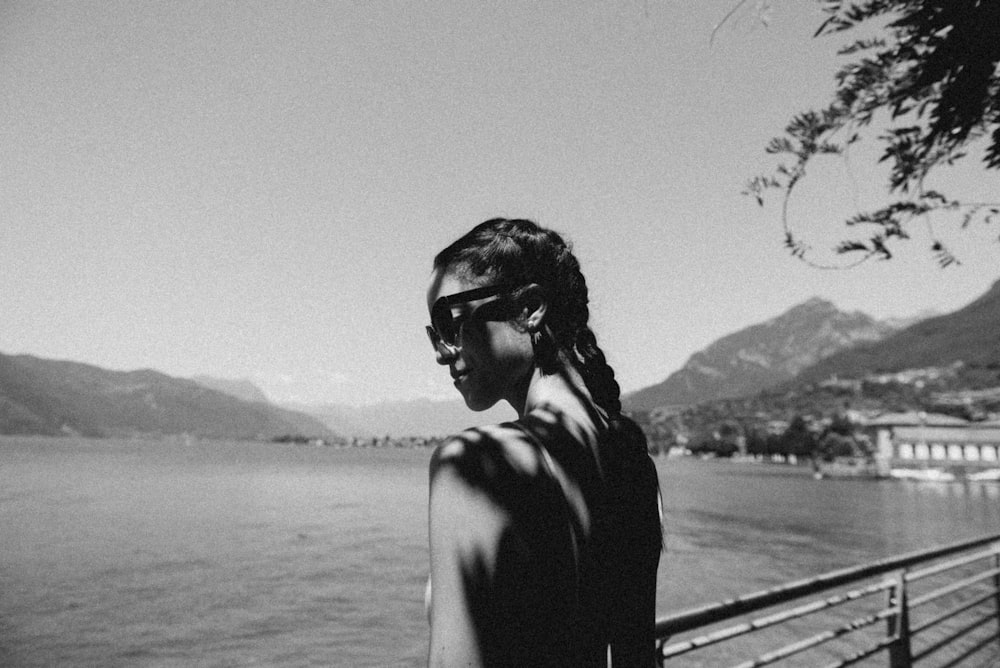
(491, 359)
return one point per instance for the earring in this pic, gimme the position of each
(546, 353)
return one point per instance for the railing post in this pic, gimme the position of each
(898, 624)
(660, 644)
(996, 583)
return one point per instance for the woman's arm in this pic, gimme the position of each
(467, 523)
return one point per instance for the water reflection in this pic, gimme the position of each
(988, 491)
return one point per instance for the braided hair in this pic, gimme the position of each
(521, 252)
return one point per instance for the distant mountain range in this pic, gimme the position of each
(39, 396)
(814, 342)
(809, 343)
(764, 355)
(54, 397)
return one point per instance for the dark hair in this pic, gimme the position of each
(521, 252)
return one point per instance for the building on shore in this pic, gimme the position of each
(908, 444)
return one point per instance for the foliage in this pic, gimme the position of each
(833, 445)
(798, 439)
(935, 72)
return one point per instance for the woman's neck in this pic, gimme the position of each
(564, 390)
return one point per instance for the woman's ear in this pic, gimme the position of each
(535, 307)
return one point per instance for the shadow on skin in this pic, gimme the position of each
(518, 599)
(548, 597)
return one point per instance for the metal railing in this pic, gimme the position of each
(943, 602)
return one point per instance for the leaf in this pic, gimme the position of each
(934, 195)
(993, 151)
(861, 45)
(879, 247)
(780, 145)
(969, 215)
(850, 247)
(943, 255)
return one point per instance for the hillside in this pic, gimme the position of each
(762, 355)
(241, 389)
(946, 364)
(40, 396)
(970, 335)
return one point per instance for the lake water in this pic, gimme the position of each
(139, 553)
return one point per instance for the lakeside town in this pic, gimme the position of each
(900, 425)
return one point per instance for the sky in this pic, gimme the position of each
(256, 190)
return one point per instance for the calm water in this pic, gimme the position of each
(121, 553)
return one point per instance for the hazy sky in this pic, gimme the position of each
(256, 189)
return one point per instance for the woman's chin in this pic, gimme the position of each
(477, 403)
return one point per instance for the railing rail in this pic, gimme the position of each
(895, 577)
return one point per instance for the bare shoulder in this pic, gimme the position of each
(486, 452)
(478, 481)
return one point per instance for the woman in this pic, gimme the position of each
(544, 532)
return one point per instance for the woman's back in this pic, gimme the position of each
(573, 569)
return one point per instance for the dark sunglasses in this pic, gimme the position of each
(445, 325)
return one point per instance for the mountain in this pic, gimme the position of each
(241, 389)
(762, 355)
(970, 335)
(418, 417)
(40, 396)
